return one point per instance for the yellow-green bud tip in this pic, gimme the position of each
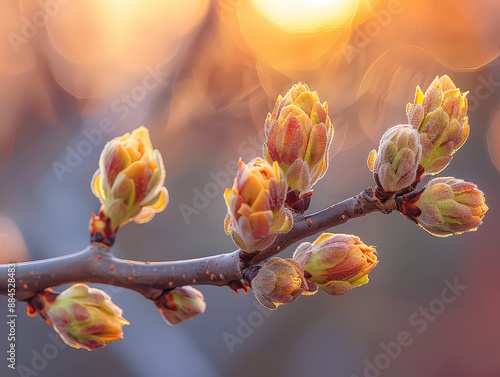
(130, 178)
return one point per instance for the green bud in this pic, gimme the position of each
(84, 317)
(439, 115)
(446, 206)
(279, 281)
(396, 165)
(298, 135)
(336, 263)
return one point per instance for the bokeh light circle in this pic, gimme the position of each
(389, 84)
(300, 16)
(283, 50)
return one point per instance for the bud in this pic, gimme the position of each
(395, 166)
(439, 116)
(298, 136)
(336, 262)
(83, 317)
(180, 304)
(256, 205)
(279, 281)
(129, 181)
(446, 206)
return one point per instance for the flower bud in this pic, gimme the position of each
(395, 166)
(180, 304)
(298, 136)
(129, 181)
(256, 205)
(84, 317)
(446, 206)
(336, 262)
(278, 282)
(439, 115)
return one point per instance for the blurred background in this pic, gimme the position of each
(202, 75)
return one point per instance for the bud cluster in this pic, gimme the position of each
(265, 191)
(438, 127)
(334, 263)
(264, 197)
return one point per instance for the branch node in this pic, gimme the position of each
(381, 200)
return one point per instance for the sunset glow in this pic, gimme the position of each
(298, 16)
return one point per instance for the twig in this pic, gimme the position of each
(335, 215)
(96, 263)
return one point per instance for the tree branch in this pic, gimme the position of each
(337, 214)
(96, 263)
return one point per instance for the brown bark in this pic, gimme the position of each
(96, 263)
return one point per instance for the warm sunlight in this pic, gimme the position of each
(249, 188)
(298, 16)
